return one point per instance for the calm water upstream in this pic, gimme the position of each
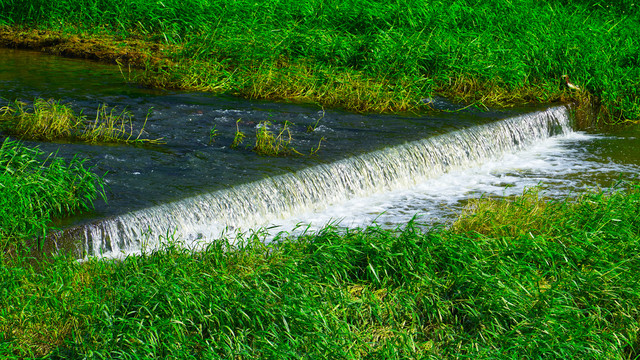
(382, 168)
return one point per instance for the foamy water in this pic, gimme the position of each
(560, 165)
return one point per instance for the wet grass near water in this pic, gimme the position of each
(517, 278)
(362, 55)
(50, 120)
(36, 188)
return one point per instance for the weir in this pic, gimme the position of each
(208, 216)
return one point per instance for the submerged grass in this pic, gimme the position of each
(519, 278)
(360, 55)
(52, 120)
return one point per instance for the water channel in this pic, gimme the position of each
(370, 168)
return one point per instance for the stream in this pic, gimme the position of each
(370, 168)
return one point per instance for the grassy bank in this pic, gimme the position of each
(361, 55)
(35, 188)
(523, 278)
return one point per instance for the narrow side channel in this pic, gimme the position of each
(207, 216)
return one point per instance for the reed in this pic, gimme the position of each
(46, 120)
(523, 277)
(239, 136)
(112, 126)
(268, 144)
(213, 134)
(49, 120)
(364, 56)
(36, 189)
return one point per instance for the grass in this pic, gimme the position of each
(518, 278)
(34, 189)
(364, 55)
(239, 136)
(514, 278)
(268, 144)
(213, 134)
(49, 120)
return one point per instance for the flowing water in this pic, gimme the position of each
(370, 168)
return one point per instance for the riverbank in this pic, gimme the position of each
(363, 57)
(35, 188)
(516, 278)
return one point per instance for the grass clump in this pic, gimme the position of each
(268, 144)
(239, 136)
(561, 284)
(35, 189)
(49, 120)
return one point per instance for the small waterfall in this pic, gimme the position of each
(259, 203)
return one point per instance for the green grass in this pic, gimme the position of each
(516, 278)
(49, 120)
(268, 144)
(372, 55)
(239, 136)
(34, 189)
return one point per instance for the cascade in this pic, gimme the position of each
(208, 216)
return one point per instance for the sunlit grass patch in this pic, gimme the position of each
(269, 141)
(113, 126)
(268, 144)
(528, 214)
(49, 120)
(35, 188)
(45, 120)
(533, 214)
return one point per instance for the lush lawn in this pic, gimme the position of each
(523, 278)
(362, 55)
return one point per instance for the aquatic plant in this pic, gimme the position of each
(312, 128)
(268, 144)
(213, 134)
(529, 278)
(49, 120)
(314, 150)
(112, 126)
(46, 120)
(34, 189)
(239, 136)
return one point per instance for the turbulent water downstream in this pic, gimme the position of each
(370, 168)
